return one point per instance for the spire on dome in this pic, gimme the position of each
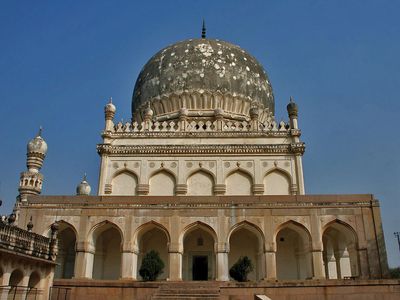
(203, 30)
(40, 131)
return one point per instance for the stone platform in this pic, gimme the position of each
(386, 289)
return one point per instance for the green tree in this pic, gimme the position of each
(241, 269)
(152, 266)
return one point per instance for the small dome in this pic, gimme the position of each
(83, 188)
(37, 144)
(292, 108)
(202, 74)
(110, 106)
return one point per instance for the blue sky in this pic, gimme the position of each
(339, 59)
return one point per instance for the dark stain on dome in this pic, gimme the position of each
(203, 64)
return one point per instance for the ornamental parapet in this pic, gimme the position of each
(21, 241)
(198, 126)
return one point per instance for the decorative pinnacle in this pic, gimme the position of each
(40, 131)
(84, 177)
(203, 30)
(110, 100)
(291, 99)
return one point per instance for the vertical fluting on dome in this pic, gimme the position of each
(202, 75)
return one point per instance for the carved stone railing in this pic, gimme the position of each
(200, 126)
(18, 240)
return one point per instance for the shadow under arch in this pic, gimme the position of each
(152, 236)
(293, 251)
(247, 239)
(106, 240)
(340, 250)
(198, 242)
(67, 237)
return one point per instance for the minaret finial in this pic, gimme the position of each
(40, 131)
(110, 100)
(203, 30)
(84, 176)
(291, 99)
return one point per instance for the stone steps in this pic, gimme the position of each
(187, 291)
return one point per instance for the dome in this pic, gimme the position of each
(200, 75)
(37, 144)
(83, 188)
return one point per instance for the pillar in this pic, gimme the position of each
(5, 281)
(319, 270)
(84, 264)
(175, 266)
(222, 266)
(270, 265)
(364, 269)
(129, 265)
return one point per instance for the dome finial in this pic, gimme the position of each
(291, 99)
(40, 131)
(203, 30)
(110, 100)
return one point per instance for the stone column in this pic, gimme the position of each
(270, 265)
(175, 266)
(5, 290)
(84, 260)
(222, 266)
(129, 265)
(317, 258)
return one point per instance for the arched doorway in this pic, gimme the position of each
(198, 262)
(34, 280)
(66, 252)
(293, 255)
(247, 240)
(154, 237)
(340, 251)
(107, 257)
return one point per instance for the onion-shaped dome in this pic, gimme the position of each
(83, 188)
(110, 106)
(201, 75)
(37, 144)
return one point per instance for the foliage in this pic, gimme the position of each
(241, 269)
(152, 266)
(394, 272)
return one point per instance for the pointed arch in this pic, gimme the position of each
(201, 182)
(277, 181)
(340, 250)
(247, 239)
(293, 251)
(124, 182)
(249, 226)
(144, 228)
(34, 280)
(198, 242)
(239, 182)
(162, 183)
(16, 277)
(106, 239)
(152, 236)
(67, 237)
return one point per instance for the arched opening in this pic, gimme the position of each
(107, 257)
(340, 252)
(34, 280)
(276, 183)
(16, 278)
(246, 240)
(238, 183)
(293, 255)
(162, 184)
(153, 237)
(66, 252)
(124, 184)
(199, 254)
(200, 183)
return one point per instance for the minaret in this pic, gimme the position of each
(109, 113)
(31, 181)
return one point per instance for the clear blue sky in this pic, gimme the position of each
(61, 60)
